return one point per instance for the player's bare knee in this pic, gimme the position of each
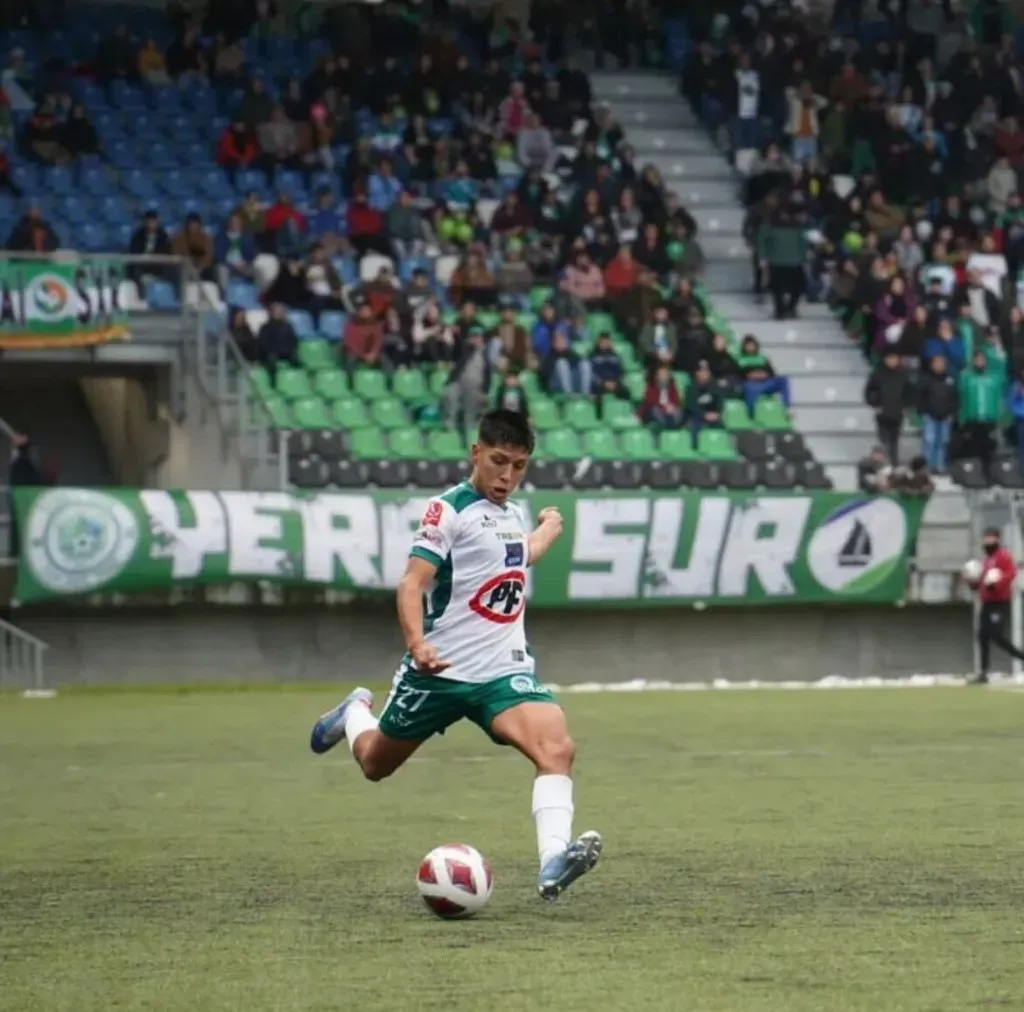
(555, 755)
(375, 770)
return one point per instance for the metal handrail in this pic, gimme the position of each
(21, 656)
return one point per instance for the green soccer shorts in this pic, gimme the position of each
(419, 706)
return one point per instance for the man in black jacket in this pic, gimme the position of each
(937, 400)
(150, 239)
(889, 392)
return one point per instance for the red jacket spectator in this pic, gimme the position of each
(1002, 589)
(661, 396)
(363, 337)
(622, 272)
(281, 212)
(237, 147)
(363, 220)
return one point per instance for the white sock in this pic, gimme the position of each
(359, 718)
(552, 813)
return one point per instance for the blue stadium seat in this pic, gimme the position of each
(76, 210)
(347, 270)
(302, 322)
(160, 295)
(58, 179)
(93, 237)
(242, 295)
(332, 325)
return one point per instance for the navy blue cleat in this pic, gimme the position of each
(560, 872)
(330, 728)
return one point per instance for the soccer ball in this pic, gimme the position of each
(971, 571)
(455, 881)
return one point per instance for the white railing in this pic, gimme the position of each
(21, 659)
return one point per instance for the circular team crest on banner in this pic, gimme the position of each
(858, 546)
(48, 299)
(78, 539)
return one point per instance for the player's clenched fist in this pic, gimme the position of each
(426, 659)
(552, 517)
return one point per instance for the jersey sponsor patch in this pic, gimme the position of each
(432, 517)
(502, 598)
(430, 534)
(514, 554)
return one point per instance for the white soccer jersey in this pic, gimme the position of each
(474, 610)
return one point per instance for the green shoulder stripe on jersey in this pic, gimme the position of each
(461, 496)
(427, 555)
(440, 596)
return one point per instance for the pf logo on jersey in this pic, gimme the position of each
(432, 518)
(502, 598)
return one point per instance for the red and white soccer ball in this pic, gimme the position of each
(455, 881)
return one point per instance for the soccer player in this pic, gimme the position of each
(467, 652)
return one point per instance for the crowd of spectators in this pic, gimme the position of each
(882, 165)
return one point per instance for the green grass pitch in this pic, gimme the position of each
(782, 851)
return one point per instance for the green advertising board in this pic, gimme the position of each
(61, 303)
(640, 549)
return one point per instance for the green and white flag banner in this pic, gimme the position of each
(639, 549)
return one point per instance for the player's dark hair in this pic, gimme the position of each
(501, 427)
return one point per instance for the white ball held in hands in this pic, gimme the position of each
(993, 576)
(971, 571)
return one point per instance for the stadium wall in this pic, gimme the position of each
(185, 644)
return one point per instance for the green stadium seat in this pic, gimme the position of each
(601, 444)
(544, 414)
(350, 413)
(410, 385)
(292, 384)
(260, 380)
(311, 413)
(369, 384)
(530, 383)
(716, 444)
(406, 444)
(735, 416)
(636, 383)
(389, 413)
(601, 323)
(683, 381)
(639, 444)
(438, 381)
(488, 319)
(368, 444)
(316, 355)
(677, 444)
(627, 354)
(444, 444)
(539, 295)
(580, 414)
(332, 384)
(770, 413)
(277, 408)
(618, 414)
(560, 444)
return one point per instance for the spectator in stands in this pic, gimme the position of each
(193, 243)
(186, 60)
(278, 342)
(661, 407)
(535, 147)
(684, 252)
(882, 217)
(513, 111)
(363, 339)
(234, 252)
(582, 284)
(256, 106)
(723, 367)
(874, 471)
(889, 393)
(285, 227)
(326, 225)
(323, 284)
(289, 285)
(237, 148)
(782, 250)
(982, 399)
(914, 479)
(227, 62)
(396, 347)
(892, 313)
(659, 339)
(511, 396)
(279, 146)
(468, 383)
(703, 401)
(937, 402)
(77, 135)
(606, 370)
(563, 371)
(545, 329)
(32, 234)
(622, 281)
(513, 276)
(245, 340)
(744, 124)
(802, 124)
(406, 228)
(151, 65)
(472, 281)
(948, 344)
(116, 58)
(511, 220)
(509, 346)
(694, 341)
(41, 136)
(366, 226)
(649, 250)
(758, 375)
(432, 338)
(384, 187)
(1001, 185)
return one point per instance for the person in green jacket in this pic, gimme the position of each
(982, 395)
(782, 250)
